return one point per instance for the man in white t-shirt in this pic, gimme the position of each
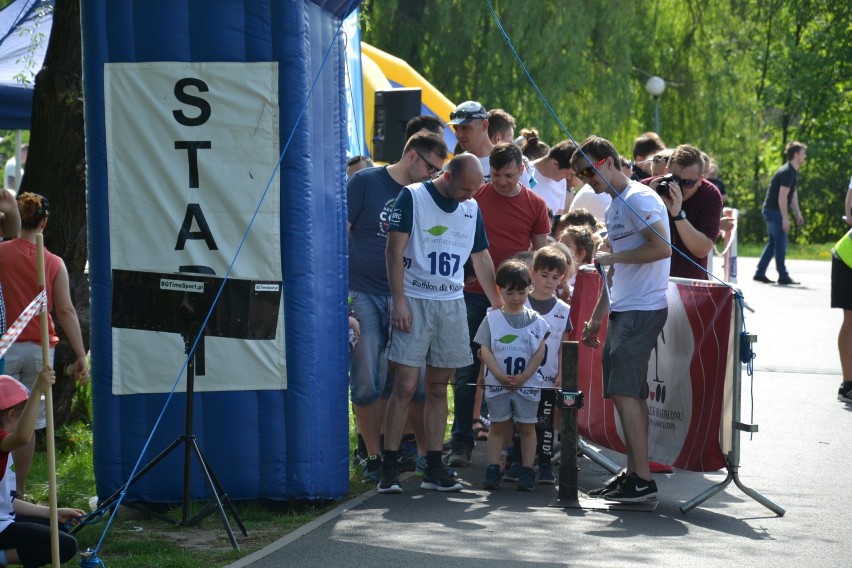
(10, 170)
(471, 123)
(847, 207)
(593, 202)
(638, 230)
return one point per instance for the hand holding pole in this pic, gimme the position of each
(48, 411)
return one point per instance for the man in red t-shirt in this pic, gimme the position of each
(515, 220)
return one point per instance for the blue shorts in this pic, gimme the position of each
(368, 364)
(629, 340)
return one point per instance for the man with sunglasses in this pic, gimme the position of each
(695, 210)
(371, 194)
(638, 231)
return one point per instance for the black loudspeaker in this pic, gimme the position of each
(393, 110)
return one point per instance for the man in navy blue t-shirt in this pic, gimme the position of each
(781, 197)
(371, 194)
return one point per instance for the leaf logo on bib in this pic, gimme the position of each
(437, 230)
(506, 339)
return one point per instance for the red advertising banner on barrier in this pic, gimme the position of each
(689, 376)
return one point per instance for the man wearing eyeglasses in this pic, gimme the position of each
(371, 194)
(638, 231)
(695, 210)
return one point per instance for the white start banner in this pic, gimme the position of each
(191, 149)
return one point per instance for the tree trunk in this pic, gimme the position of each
(56, 168)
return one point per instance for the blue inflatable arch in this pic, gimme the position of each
(275, 444)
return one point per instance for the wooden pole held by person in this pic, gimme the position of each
(48, 411)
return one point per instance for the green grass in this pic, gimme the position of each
(134, 541)
(137, 540)
(794, 251)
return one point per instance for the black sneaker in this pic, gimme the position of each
(633, 490)
(787, 281)
(526, 480)
(763, 278)
(390, 479)
(513, 472)
(611, 485)
(460, 456)
(372, 469)
(845, 392)
(492, 477)
(545, 474)
(437, 478)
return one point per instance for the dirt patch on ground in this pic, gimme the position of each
(207, 539)
(208, 536)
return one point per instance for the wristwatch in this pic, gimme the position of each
(680, 216)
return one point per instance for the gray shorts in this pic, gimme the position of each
(629, 340)
(438, 335)
(510, 405)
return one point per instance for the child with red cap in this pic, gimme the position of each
(24, 527)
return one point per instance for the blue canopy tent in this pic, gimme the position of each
(24, 32)
(263, 443)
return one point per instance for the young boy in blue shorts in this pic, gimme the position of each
(512, 341)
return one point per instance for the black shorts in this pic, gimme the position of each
(841, 284)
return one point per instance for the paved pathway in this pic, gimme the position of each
(799, 459)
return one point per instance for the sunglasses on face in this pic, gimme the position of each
(685, 183)
(465, 114)
(589, 173)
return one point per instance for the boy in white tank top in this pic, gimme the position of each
(512, 341)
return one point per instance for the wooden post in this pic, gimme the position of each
(48, 411)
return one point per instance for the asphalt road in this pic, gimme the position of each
(799, 459)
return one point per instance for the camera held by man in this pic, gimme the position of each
(663, 186)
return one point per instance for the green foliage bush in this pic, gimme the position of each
(744, 77)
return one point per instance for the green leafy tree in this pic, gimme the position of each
(56, 168)
(743, 78)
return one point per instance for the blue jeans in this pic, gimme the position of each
(368, 364)
(465, 386)
(775, 247)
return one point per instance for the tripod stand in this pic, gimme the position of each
(190, 444)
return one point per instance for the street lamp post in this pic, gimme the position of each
(655, 87)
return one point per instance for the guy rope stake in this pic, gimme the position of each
(48, 410)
